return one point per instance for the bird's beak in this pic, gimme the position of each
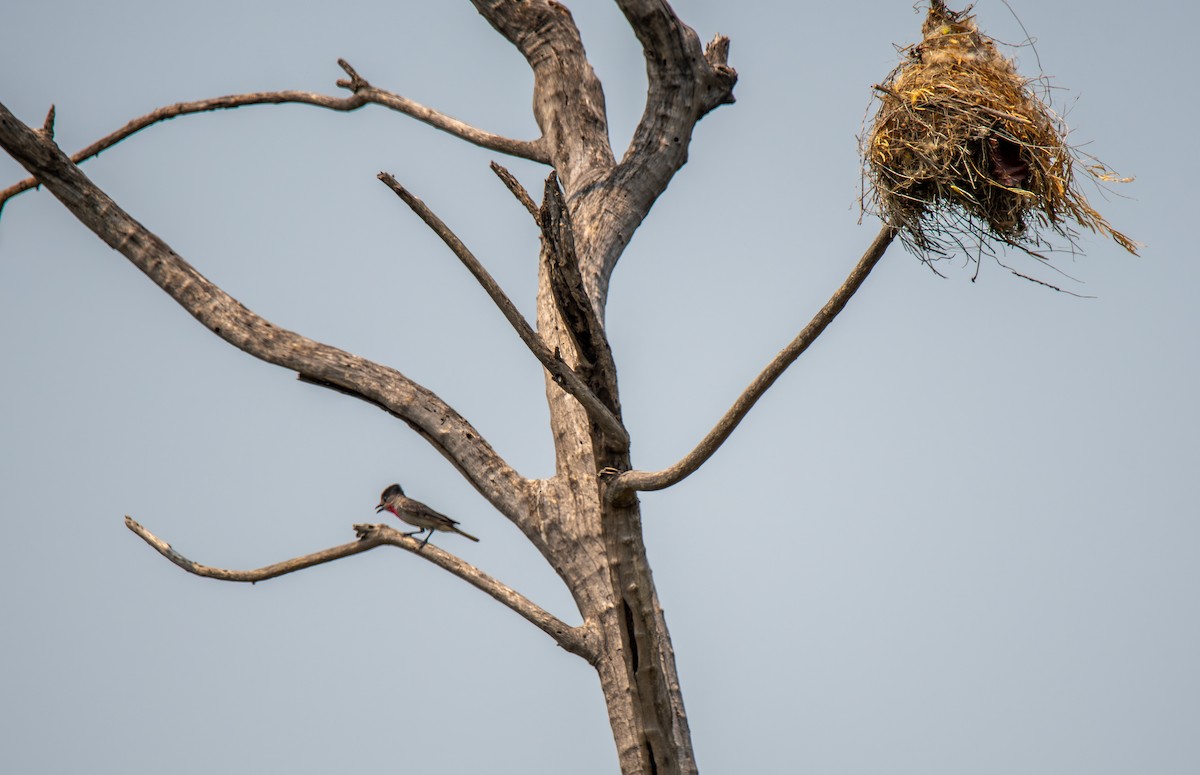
(379, 508)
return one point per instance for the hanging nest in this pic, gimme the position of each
(963, 153)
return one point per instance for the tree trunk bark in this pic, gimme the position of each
(594, 542)
(598, 550)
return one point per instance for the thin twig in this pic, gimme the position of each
(363, 94)
(624, 483)
(563, 374)
(572, 639)
(518, 191)
(534, 150)
(251, 576)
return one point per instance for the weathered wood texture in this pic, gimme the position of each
(585, 520)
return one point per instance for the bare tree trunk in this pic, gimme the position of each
(599, 552)
(585, 520)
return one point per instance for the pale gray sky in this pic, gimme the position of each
(960, 536)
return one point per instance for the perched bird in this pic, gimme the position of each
(417, 514)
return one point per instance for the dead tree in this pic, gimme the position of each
(585, 520)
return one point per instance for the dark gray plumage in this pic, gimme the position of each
(417, 514)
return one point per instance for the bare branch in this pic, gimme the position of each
(534, 150)
(252, 576)
(563, 375)
(673, 55)
(568, 102)
(573, 639)
(363, 94)
(423, 410)
(517, 190)
(622, 484)
(685, 83)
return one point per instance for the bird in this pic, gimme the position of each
(417, 514)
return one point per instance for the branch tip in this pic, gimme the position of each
(717, 51)
(572, 639)
(48, 124)
(518, 191)
(356, 82)
(363, 94)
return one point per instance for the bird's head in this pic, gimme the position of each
(390, 493)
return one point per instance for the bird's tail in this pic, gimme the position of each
(465, 534)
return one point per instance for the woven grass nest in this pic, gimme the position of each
(962, 153)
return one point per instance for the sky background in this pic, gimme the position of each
(959, 536)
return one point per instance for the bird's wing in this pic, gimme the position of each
(425, 511)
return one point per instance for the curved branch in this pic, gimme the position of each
(685, 81)
(573, 639)
(251, 576)
(673, 56)
(568, 101)
(363, 93)
(622, 484)
(423, 410)
(533, 150)
(564, 376)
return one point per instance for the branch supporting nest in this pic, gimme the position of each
(621, 485)
(572, 639)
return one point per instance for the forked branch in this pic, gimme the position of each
(362, 93)
(622, 484)
(573, 639)
(685, 82)
(672, 51)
